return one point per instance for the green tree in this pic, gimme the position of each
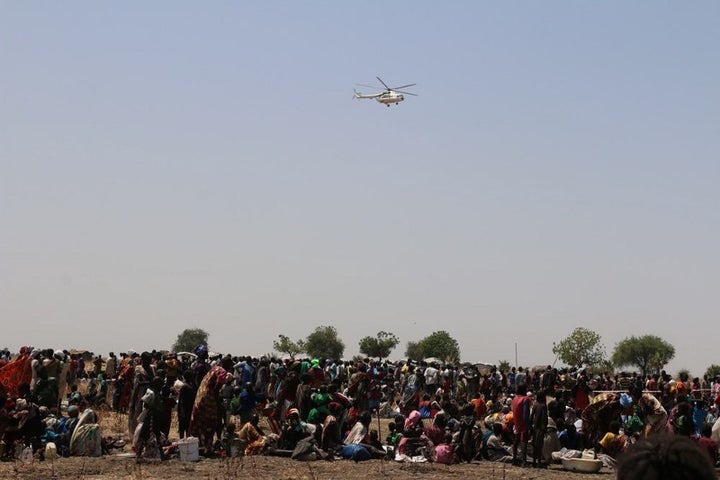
(503, 366)
(380, 345)
(414, 351)
(582, 348)
(189, 339)
(713, 371)
(649, 353)
(324, 343)
(440, 345)
(285, 345)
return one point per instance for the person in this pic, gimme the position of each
(467, 445)
(445, 451)
(605, 408)
(496, 451)
(331, 436)
(435, 431)
(393, 437)
(539, 422)
(431, 377)
(409, 400)
(320, 402)
(97, 366)
(141, 382)
(665, 457)
(86, 438)
(570, 438)
(252, 436)
(65, 429)
(700, 412)
(172, 368)
(680, 420)
(185, 402)
(359, 431)
(294, 430)
(653, 414)
(521, 424)
(35, 367)
(123, 386)
(520, 379)
(613, 442)
(149, 419)
(111, 366)
(207, 416)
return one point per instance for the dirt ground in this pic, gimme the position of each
(274, 468)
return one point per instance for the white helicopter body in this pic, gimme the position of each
(389, 96)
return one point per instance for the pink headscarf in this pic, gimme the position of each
(412, 420)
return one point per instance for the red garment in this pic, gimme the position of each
(435, 434)
(318, 377)
(480, 408)
(520, 409)
(582, 397)
(15, 373)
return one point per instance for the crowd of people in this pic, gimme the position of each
(318, 408)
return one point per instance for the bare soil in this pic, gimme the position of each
(274, 468)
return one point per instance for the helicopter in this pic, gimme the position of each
(390, 95)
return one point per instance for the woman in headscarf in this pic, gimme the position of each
(86, 439)
(124, 387)
(207, 416)
(410, 400)
(652, 412)
(605, 408)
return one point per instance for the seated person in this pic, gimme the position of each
(445, 451)
(294, 430)
(393, 437)
(496, 451)
(331, 437)
(570, 438)
(613, 443)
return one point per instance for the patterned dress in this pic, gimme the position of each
(207, 415)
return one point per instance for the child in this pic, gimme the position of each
(393, 437)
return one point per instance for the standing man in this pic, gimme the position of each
(521, 421)
(432, 375)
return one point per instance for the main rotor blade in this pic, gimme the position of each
(374, 87)
(404, 86)
(406, 93)
(384, 84)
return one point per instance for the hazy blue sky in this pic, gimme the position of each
(166, 165)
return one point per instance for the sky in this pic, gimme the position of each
(170, 165)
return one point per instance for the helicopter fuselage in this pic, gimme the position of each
(390, 97)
